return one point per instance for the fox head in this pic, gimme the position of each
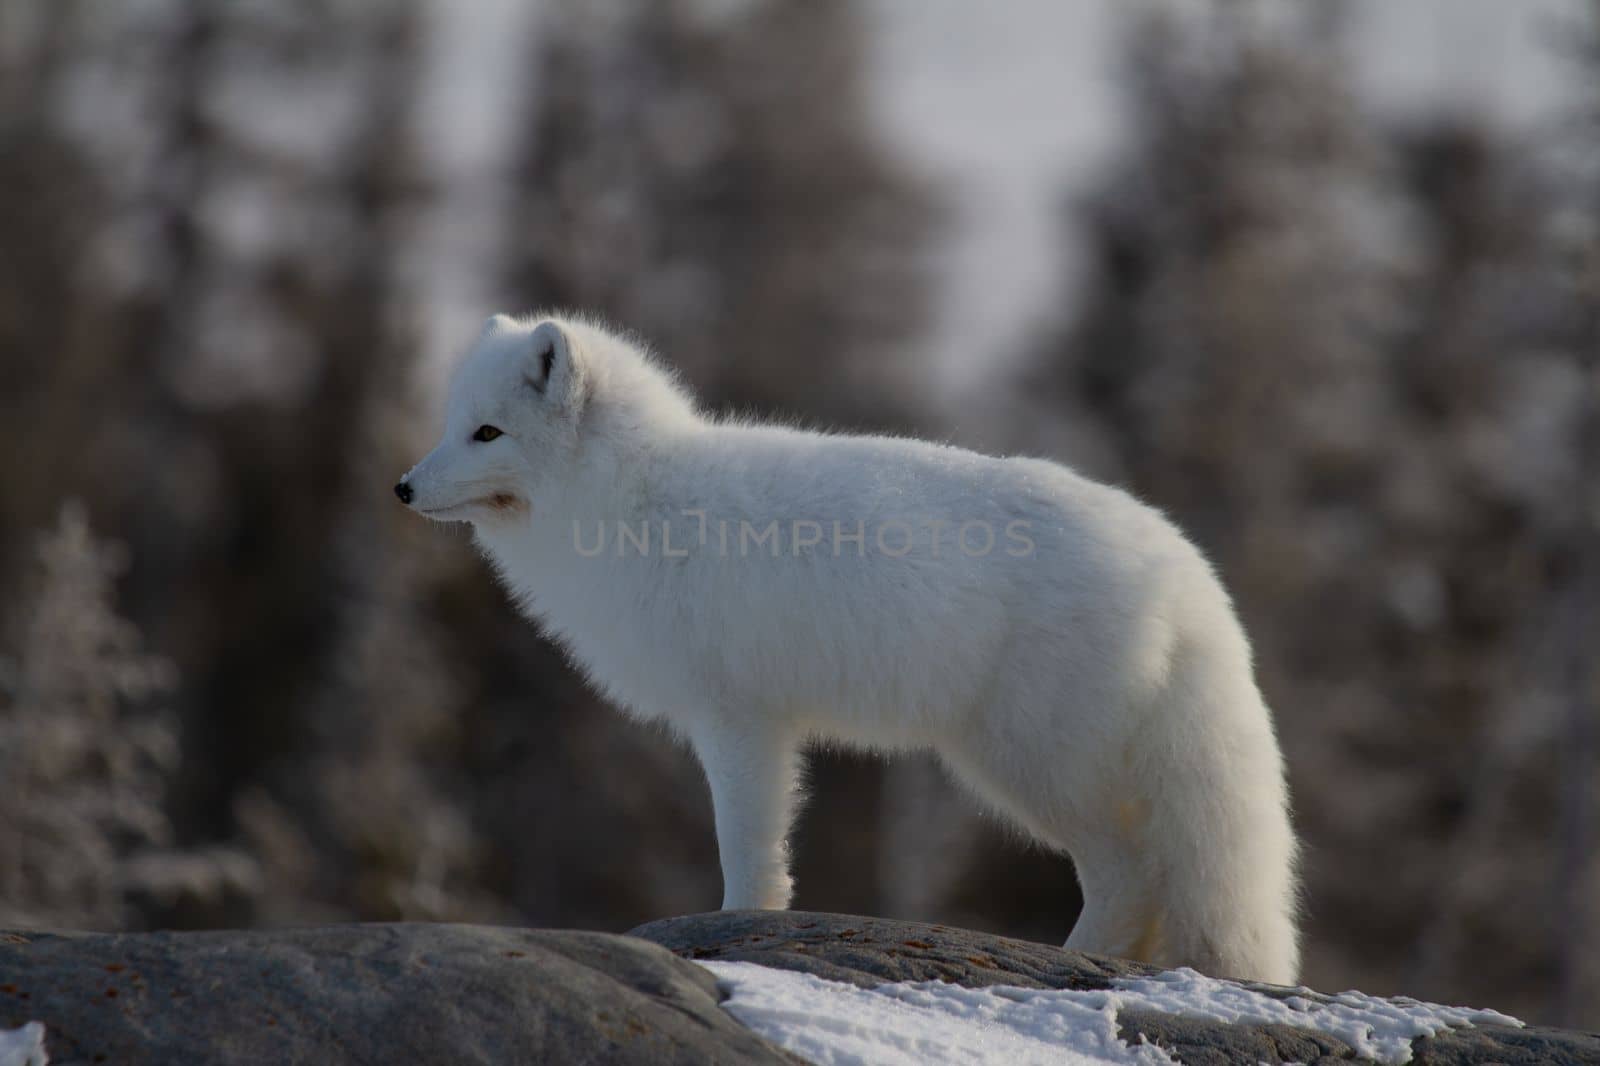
(511, 425)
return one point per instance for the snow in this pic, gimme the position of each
(932, 1022)
(926, 1022)
(1380, 1029)
(24, 1046)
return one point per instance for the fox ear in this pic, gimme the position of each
(498, 322)
(552, 370)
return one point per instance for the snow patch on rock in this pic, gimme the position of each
(930, 1022)
(23, 1046)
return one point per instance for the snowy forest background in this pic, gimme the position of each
(1352, 352)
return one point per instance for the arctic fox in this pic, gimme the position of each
(1065, 650)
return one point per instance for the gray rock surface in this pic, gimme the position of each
(419, 993)
(871, 951)
(371, 994)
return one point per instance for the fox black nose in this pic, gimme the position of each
(403, 491)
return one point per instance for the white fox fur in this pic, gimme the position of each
(1084, 674)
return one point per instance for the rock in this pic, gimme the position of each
(403, 993)
(418, 993)
(870, 951)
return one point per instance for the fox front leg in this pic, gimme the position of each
(754, 778)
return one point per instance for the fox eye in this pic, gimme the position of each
(486, 433)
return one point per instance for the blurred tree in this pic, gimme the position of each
(215, 356)
(83, 758)
(1578, 236)
(51, 329)
(361, 804)
(709, 177)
